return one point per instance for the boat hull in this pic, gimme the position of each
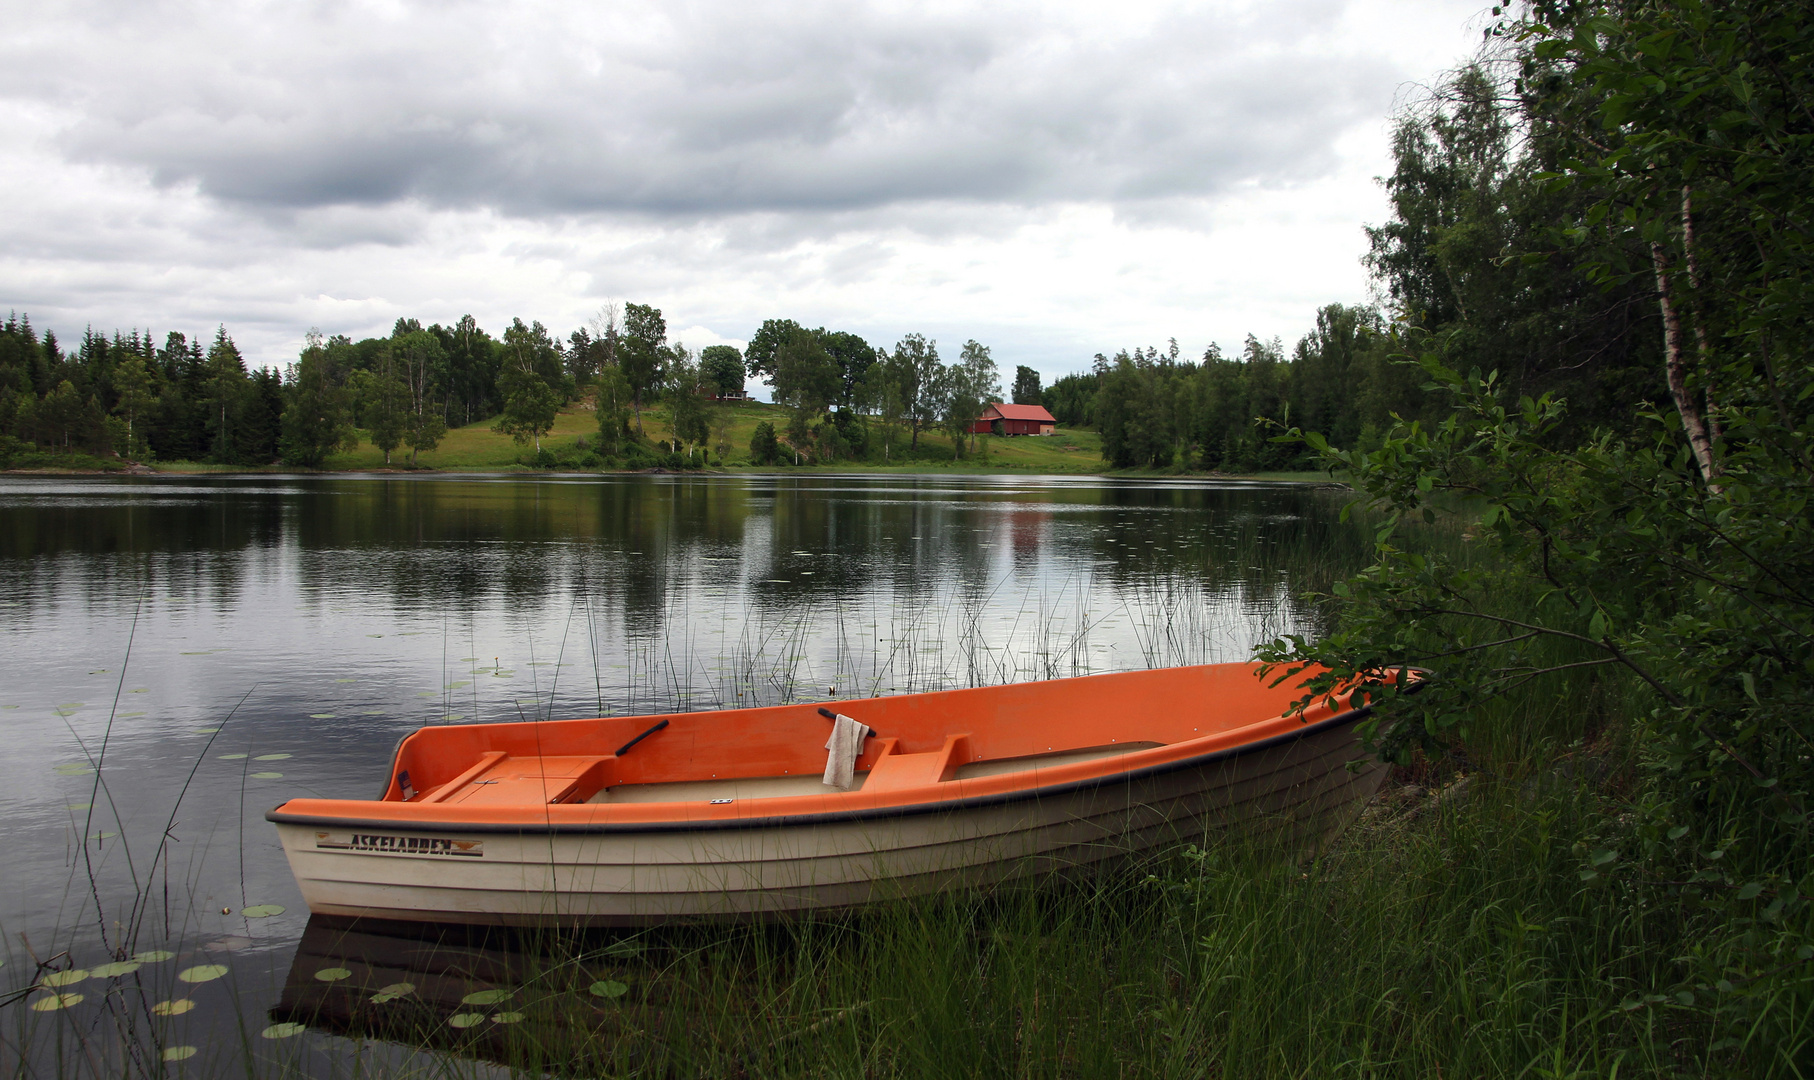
(1299, 788)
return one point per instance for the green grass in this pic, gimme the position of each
(476, 447)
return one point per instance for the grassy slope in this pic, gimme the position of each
(477, 447)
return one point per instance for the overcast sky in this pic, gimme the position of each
(1052, 181)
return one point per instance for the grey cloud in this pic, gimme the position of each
(696, 112)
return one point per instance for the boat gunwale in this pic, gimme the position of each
(548, 825)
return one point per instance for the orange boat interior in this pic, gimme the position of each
(1009, 735)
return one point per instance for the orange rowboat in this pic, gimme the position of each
(725, 815)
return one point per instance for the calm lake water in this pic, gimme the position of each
(217, 645)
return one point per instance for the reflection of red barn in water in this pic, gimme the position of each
(1028, 527)
(1014, 420)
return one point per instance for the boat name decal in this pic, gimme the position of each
(401, 845)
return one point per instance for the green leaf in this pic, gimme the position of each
(202, 973)
(608, 988)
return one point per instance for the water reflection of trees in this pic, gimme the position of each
(630, 548)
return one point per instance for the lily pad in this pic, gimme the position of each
(507, 1018)
(333, 974)
(53, 1002)
(234, 757)
(485, 997)
(73, 768)
(464, 1020)
(153, 956)
(322, 715)
(81, 806)
(393, 991)
(202, 973)
(267, 776)
(115, 970)
(102, 835)
(179, 1053)
(140, 690)
(283, 1031)
(64, 978)
(262, 911)
(373, 712)
(608, 988)
(271, 757)
(173, 1007)
(204, 731)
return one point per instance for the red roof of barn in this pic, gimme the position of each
(1023, 412)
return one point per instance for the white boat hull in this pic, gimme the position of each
(1300, 789)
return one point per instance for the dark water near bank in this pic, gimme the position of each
(217, 645)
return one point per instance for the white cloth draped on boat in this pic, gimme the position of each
(844, 746)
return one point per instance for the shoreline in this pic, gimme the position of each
(918, 469)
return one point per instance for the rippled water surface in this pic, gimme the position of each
(217, 645)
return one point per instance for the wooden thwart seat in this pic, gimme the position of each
(893, 771)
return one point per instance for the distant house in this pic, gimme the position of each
(1014, 420)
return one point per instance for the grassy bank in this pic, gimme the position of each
(477, 448)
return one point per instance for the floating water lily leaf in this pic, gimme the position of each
(459, 685)
(270, 757)
(283, 1031)
(374, 635)
(267, 776)
(179, 1053)
(204, 731)
(507, 1018)
(485, 997)
(53, 1002)
(262, 911)
(428, 693)
(140, 690)
(80, 806)
(321, 716)
(102, 835)
(202, 973)
(374, 712)
(64, 978)
(393, 991)
(115, 969)
(72, 705)
(464, 1020)
(153, 956)
(609, 988)
(173, 1007)
(234, 757)
(73, 768)
(333, 974)
(503, 674)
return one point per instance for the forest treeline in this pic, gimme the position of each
(181, 399)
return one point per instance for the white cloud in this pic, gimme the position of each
(1052, 181)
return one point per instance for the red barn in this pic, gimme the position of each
(1014, 420)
